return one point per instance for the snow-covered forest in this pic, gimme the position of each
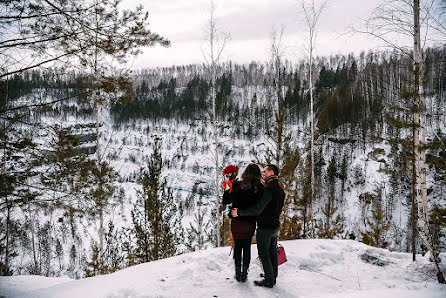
(363, 166)
(103, 168)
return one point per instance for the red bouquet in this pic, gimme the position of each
(230, 173)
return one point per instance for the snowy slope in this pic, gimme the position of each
(315, 268)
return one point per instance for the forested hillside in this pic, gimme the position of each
(153, 195)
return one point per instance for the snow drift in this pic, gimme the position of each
(315, 268)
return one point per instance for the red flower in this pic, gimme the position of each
(230, 170)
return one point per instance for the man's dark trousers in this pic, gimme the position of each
(267, 249)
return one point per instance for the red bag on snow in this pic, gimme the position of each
(281, 256)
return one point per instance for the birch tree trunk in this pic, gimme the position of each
(33, 242)
(419, 141)
(277, 52)
(8, 207)
(311, 14)
(214, 121)
(217, 43)
(98, 152)
(383, 25)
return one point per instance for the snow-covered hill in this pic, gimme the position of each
(315, 268)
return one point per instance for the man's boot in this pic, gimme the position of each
(244, 273)
(263, 283)
(238, 273)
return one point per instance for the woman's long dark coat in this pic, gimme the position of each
(242, 227)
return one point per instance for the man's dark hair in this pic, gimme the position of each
(273, 168)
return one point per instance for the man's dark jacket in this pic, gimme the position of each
(269, 208)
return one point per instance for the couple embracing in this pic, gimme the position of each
(254, 202)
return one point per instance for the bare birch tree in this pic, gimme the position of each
(277, 53)
(311, 14)
(216, 42)
(282, 150)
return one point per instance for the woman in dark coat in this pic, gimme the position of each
(244, 194)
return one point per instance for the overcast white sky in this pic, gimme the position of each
(249, 22)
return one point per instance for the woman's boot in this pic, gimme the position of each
(244, 273)
(238, 273)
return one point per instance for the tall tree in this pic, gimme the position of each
(155, 225)
(84, 35)
(283, 151)
(311, 14)
(216, 42)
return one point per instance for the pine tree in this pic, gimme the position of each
(95, 266)
(437, 226)
(102, 196)
(64, 33)
(283, 151)
(329, 227)
(128, 247)
(65, 176)
(290, 227)
(197, 232)
(155, 225)
(304, 202)
(378, 227)
(332, 174)
(59, 254)
(113, 256)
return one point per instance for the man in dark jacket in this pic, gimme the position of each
(268, 210)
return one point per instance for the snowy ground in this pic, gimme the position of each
(315, 268)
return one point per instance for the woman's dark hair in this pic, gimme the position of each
(251, 177)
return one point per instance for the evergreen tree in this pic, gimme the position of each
(343, 175)
(330, 227)
(64, 33)
(113, 257)
(304, 203)
(438, 224)
(95, 266)
(155, 225)
(128, 247)
(197, 232)
(102, 196)
(331, 177)
(378, 227)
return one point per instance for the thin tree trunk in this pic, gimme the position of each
(8, 208)
(215, 132)
(217, 46)
(419, 143)
(312, 138)
(31, 219)
(8, 221)
(413, 213)
(311, 16)
(98, 152)
(418, 137)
